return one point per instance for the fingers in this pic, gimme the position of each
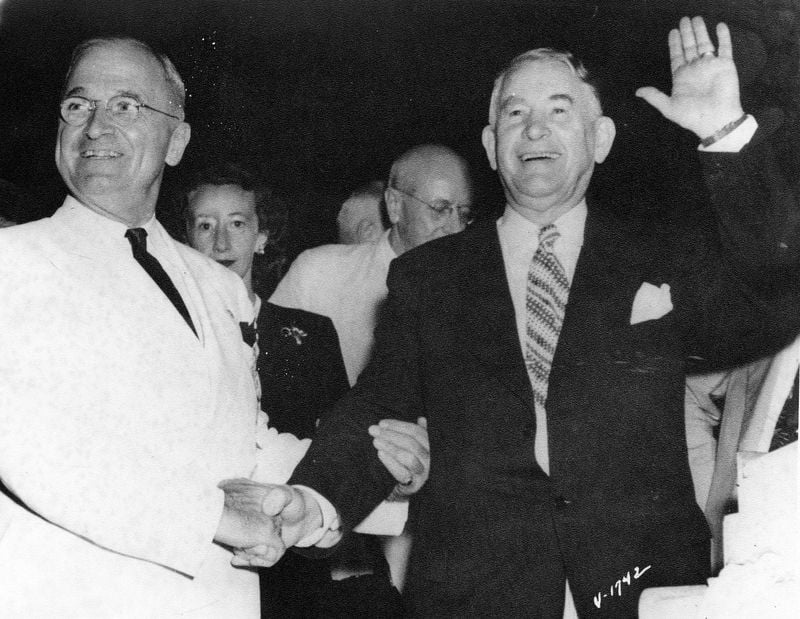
(676, 59)
(725, 49)
(690, 41)
(704, 44)
(410, 451)
(395, 468)
(402, 433)
(257, 556)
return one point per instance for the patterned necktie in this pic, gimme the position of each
(545, 301)
(138, 240)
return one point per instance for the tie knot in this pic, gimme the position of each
(548, 235)
(137, 238)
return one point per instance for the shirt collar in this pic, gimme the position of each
(519, 231)
(82, 214)
(103, 231)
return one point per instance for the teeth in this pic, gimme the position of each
(100, 154)
(543, 155)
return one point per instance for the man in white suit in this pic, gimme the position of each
(125, 400)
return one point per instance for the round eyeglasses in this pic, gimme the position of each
(123, 110)
(444, 210)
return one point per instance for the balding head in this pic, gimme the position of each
(429, 196)
(360, 218)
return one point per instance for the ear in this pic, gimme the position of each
(604, 133)
(261, 242)
(489, 142)
(177, 143)
(392, 205)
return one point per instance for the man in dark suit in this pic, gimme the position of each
(548, 353)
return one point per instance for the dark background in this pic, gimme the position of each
(321, 95)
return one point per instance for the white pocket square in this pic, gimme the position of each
(651, 302)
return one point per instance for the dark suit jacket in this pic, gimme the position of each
(494, 535)
(300, 366)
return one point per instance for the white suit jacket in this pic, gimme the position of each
(116, 425)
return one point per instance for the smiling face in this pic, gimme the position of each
(116, 171)
(547, 135)
(222, 224)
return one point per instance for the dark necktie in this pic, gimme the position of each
(138, 241)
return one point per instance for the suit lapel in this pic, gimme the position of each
(609, 271)
(489, 325)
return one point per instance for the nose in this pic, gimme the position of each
(222, 242)
(98, 123)
(536, 127)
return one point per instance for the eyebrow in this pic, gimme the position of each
(509, 100)
(81, 91)
(234, 214)
(562, 97)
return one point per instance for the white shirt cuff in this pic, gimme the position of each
(330, 519)
(735, 141)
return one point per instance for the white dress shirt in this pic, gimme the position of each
(519, 240)
(346, 283)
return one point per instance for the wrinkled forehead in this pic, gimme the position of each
(548, 73)
(118, 64)
(543, 77)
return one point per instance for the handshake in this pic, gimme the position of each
(261, 521)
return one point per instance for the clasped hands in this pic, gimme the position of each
(261, 521)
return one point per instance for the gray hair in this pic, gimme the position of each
(541, 53)
(175, 86)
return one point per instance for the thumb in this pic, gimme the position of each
(423, 421)
(654, 97)
(276, 500)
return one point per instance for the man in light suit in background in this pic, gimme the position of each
(126, 391)
(548, 352)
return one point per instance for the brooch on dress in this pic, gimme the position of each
(294, 332)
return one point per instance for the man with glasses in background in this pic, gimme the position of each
(429, 195)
